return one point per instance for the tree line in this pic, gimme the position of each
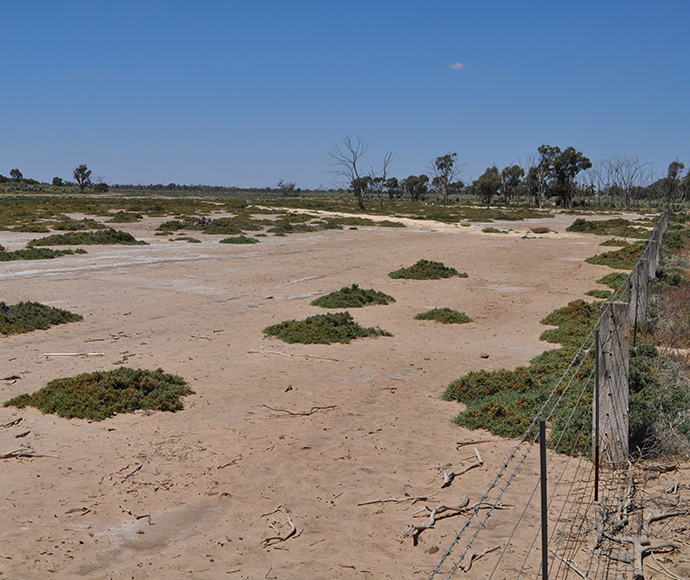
(566, 177)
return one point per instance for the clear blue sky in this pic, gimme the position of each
(245, 93)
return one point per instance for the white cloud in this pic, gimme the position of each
(457, 66)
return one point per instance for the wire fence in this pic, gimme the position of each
(576, 520)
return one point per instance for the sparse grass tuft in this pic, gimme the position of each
(444, 316)
(27, 316)
(97, 396)
(322, 329)
(352, 297)
(426, 270)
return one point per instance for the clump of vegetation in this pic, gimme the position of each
(540, 229)
(28, 316)
(284, 227)
(70, 225)
(31, 228)
(614, 227)
(390, 224)
(623, 259)
(352, 297)
(614, 242)
(171, 226)
(187, 239)
(322, 329)
(494, 231)
(104, 237)
(239, 240)
(426, 270)
(614, 280)
(602, 294)
(102, 394)
(444, 316)
(35, 254)
(125, 217)
(505, 402)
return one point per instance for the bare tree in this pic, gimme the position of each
(378, 181)
(345, 158)
(624, 174)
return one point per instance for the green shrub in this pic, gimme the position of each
(614, 227)
(390, 224)
(109, 236)
(614, 280)
(31, 228)
(623, 259)
(444, 316)
(283, 227)
(322, 329)
(614, 242)
(352, 297)
(28, 316)
(239, 240)
(102, 394)
(601, 294)
(35, 254)
(171, 226)
(494, 231)
(78, 225)
(426, 270)
(124, 217)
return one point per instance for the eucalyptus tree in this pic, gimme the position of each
(488, 184)
(445, 171)
(82, 175)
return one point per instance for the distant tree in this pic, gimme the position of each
(673, 181)
(510, 177)
(82, 175)
(377, 182)
(346, 158)
(16, 174)
(416, 186)
(488, 184)
(393, 188)
(444, 171)
(286, 188)
(101, 187)
(57, 182)
(566, 165)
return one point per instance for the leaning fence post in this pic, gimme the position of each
(612, 372)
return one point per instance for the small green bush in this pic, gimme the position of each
(124, 217)
(239, 240)
(614, 227)
(426, 270)
(104, 237)
(171, 226)
(494, 231)
(623, 259)
(322, 329)
(78, 225)
(614, 280)
(390, 224)
(28, 316)
(444, 316)
(602, 294)
(31, 228)
(352, 297)
(35, 254)
(283, 227)
(614, 242)
(102, 394)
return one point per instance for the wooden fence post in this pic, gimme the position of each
(638, 293)
(612, 371)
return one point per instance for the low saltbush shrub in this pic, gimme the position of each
(444, 316)
(322, 329)
(28, 316)
(426, 270)
(352, 297)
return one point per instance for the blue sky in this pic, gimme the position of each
(247, 93)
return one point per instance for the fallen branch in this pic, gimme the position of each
(271, 513)
(449, 476)
(414, 500)
(136, 517)
(230, 462)
(474, 557)
(73, 354)
(11, 378)
(251, 351)
(302, 413)
(24, 451)
(416, 530)
(12, 423)
(651, 519)
(276, 539)
(569, 562)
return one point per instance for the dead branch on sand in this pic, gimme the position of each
(302, 413)
(416, 530)
(473, 557)
(12, 423)
(414, 500)
(449, 476)
(276, 539)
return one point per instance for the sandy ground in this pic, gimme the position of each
(206, 475)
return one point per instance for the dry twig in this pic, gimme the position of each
(449, 476)
(414, 500)
(416, 530)
(474, 557)
(302, 413)
(276, 539)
